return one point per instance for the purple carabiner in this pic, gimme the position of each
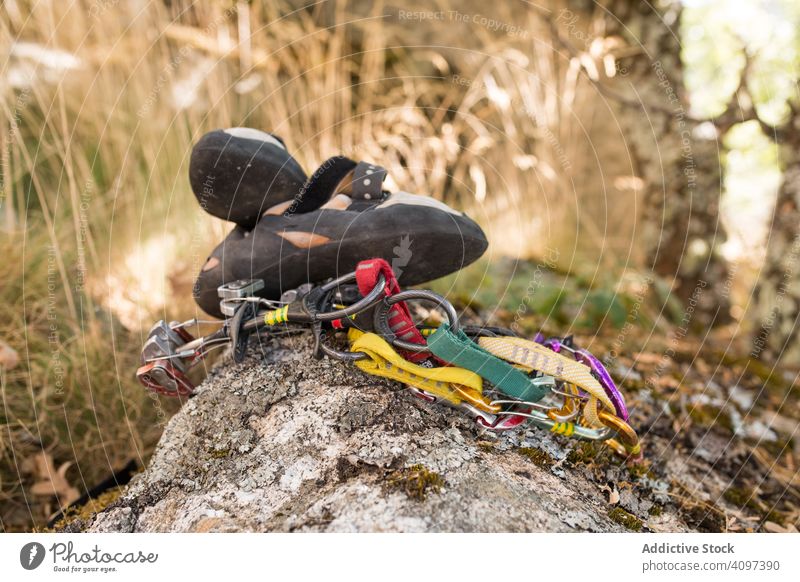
(553, 343)
(606, 381)
(586, 358)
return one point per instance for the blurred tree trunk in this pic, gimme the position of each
(776, 296)
(678, 165)
(651, 157)
(777, 292)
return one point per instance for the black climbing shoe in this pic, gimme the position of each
(339, 217)
(237, 173)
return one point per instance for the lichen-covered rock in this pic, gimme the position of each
(284, 442)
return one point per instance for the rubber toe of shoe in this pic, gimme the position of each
(237, 173)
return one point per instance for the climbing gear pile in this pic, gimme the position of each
(278, 269)
(499, 379)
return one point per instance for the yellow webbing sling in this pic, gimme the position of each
(386, 362)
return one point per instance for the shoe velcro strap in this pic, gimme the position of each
(322, 185)
(368, 182)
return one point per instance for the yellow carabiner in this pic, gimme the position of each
(628, 444)
(476, 399)
(570, 407)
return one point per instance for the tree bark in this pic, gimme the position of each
(777, 292)
(680, 167)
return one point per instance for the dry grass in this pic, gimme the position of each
(102, 235)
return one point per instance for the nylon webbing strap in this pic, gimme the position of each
(399, 317)
(537, 357)
(458, 349)
(387, 363)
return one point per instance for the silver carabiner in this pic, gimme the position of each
(545, 422)
(340, 355)
(423, 295)
(369, 300)
(524, 403)
(495, 422)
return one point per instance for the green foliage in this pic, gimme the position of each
(602, 305)
(534, 296)
(673, 306)
(584, 452)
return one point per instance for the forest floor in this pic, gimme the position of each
(719, 432)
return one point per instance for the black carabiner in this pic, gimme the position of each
(381, 322)
(239, 332)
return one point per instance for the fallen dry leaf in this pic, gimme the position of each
(52, 481)
(613, 493)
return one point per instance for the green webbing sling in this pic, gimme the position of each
(458, 349)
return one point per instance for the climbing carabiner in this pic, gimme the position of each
(628, 444)
(499, 421)
(381, 322)
(369, 300)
